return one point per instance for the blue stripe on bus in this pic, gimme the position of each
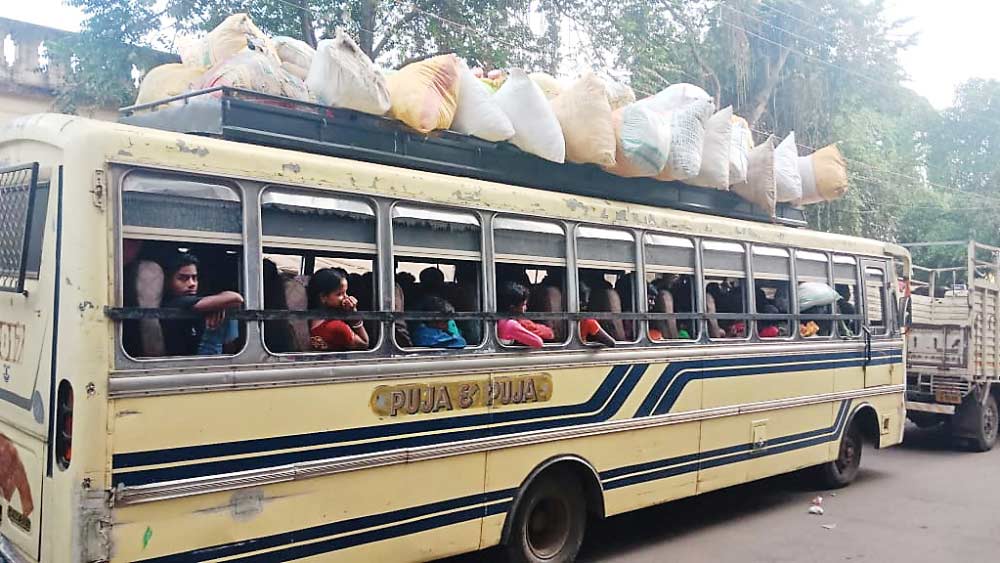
(670, 467)
(609, 409)
(664, 393)
(471, 506)
(610, 396)
(599, 398)
(357, 531)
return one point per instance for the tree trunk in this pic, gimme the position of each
(305, 20)
(758, 105)
(367, 24)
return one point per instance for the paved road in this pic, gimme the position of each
(919, 502)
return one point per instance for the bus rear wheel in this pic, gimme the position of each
(843, 470)
(549, 522)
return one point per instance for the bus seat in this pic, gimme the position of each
(296, 300)
(148, 283)
(607, 300)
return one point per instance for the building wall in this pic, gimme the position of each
(27, 83)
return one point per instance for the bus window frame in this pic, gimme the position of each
(746, 316)
(373, 347)
(857, 284)
(121, 232)
(546, 261)
(488, 331)
(810, 256)
(639, 303)
(882, 266)
(792, 316)
(696, 318)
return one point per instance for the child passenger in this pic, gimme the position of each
(328, 290)
(203, 336)
(438, 333)
(513, 299)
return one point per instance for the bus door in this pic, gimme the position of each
(27, 320)
(879, 321)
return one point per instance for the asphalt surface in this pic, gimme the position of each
(922, 501)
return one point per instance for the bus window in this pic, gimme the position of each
(670, 267)
(312, 243)
(875, 300)
(724, 265)
(531, 254)
(440, 251)
(606, 273)
(813, 267)
(182, 248)
(772, 291)
(845, 282)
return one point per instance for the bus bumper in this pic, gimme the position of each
(930, 407)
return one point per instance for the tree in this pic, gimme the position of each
(118, 34)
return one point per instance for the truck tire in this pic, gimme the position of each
(983, 419)
(549, 522)
(843, 470)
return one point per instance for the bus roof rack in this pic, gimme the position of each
(245, 116)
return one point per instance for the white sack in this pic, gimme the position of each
(687, 137)
(714, 171)
(342, 75)
(478, 113)
(786, 170)
(739, 151)
(536, 129)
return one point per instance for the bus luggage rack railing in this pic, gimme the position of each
(138, 313)
(262, 119)
(17, 200)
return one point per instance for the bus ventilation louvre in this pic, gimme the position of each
(17, 198)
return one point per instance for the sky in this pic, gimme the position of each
(954, 38)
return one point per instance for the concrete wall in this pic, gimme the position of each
(28, 83)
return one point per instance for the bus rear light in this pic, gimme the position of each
(64, 424)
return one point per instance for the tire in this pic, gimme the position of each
(843, 470)
(984, 433)
(550, 521)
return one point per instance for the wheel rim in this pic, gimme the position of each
(547, 527)
(848, 458)
(990, 421)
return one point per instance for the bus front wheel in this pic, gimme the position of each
(550, 521)
(842, 471)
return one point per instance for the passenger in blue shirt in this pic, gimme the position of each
(439, 333)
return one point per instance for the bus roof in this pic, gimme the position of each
(90, 143)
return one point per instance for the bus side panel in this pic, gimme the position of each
(737, 449)
(637, 468)
(285, 432)
(368, 515)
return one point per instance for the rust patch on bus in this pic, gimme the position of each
(195, 150)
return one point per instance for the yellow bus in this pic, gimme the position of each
(123, 440)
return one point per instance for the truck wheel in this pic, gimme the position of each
(842, 471)
(984, 435)
(550, 521)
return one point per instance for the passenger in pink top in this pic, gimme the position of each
(512, 299)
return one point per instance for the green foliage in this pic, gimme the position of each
(827, 69)
(118, 34)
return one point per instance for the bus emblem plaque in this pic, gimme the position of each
(422, 398)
